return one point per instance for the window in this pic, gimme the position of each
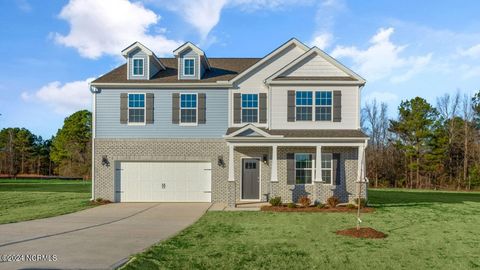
(249, 108)
(303, 169)
(323, 106)
(188, 108)
(327, 168)
(136, 108)
(303, 105)
(189, 67)
(138, 66)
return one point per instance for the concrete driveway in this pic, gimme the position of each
(98, 238)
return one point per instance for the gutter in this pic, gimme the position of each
(94, 91)
(161, 85)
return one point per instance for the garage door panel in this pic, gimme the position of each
(165, 181)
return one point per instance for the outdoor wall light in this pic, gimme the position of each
(105, 161)
(221, 162)
(265, 159)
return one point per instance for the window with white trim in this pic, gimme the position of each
(303, 103)
(327, 168)
(249, 108)
(136, 108)
(189, 67)
(137, 66)
(303, 168)
(323, 106)
(188, 108)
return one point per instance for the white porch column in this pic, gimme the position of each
(231, 163)
(273, 176)
(318, 164)
(360, 163)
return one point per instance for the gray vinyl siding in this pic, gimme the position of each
(138, 54)
(189, 54)
(108, 116)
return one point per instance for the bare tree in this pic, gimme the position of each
(468, 115)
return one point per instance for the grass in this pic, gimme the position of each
(26, 199)
(426, 230)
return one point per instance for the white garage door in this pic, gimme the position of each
(165, 181)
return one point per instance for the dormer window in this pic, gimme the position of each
(189, 67)
(137, 66)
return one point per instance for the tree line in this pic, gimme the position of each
(68, 153)
(424, 146)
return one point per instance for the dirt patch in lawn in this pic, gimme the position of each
(362, 233)
(315, 209)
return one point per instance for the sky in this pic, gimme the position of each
(403, 49)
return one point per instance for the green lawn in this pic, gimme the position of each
(426, 230)
(31, 199)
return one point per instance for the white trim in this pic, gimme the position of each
(94, 101)
(273, 167)
(180, 110)
(162, 85)
(133, 67)
(259, 160)
(231, 163)
(255, 129)
(271, 55)
(194, 67)
(318, 165)
(251, 108)
(306, 144)
(187, 45)
(144, 110)
(316, 83)
(312, 169)
(322, 54)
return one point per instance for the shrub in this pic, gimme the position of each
(363, 202)
(351, 206)
(275, 201)
(321, 205)
(333, 201)
(305, 201)
(292, 205)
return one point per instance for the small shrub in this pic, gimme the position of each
(275, 201)
(305, 201)
(321, 205)
(292, 205)
(363, 202)
(333, 201)
(99, 199)
(351, 206)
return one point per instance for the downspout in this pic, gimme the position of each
(94, 91)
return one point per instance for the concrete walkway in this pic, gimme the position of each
(98, 238)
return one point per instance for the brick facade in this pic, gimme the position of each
(209, 150)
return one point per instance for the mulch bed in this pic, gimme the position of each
(366, 232)
(315, 209)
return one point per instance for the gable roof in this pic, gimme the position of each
(248, 130)
(352, 76)
(138, 45)
(189, 45)
(292, 41)
(304, 133)
(222, 70)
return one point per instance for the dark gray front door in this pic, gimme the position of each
(250, 179)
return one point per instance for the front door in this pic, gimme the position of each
(250, 179)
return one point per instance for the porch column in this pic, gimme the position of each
(360, 163)
(318, 164)
(231, 163)
(273, 176)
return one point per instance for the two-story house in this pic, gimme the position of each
(195, 129)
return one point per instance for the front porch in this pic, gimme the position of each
(265, 166)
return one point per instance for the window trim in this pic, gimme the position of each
(194, 69)
(312, 169)
(133, 66)
(258, 107)
(144, 110)
(305, 106)
(331, 170)
(322, 106)
(180, 109)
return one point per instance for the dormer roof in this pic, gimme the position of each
(137, 45)
(188, 45)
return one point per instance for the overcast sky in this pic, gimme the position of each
(52, 49)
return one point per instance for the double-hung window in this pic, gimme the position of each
(136, 108)
(249, 108)
(323, 106)
(138, 66)
(303, 102)
(303, 168)
(188, 108)
(327, 168)
(189, 67)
